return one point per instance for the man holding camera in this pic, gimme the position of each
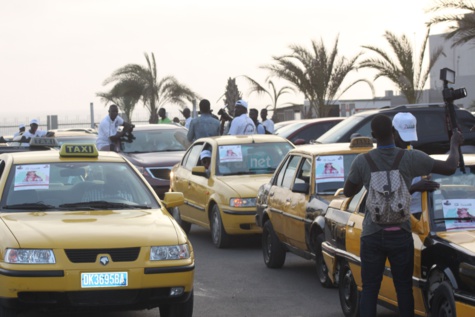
(108, 137)
(241, 124)
(205, 125)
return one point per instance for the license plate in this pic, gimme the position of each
(104, 279)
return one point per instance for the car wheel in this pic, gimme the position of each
(186, 226)
(273, 251)
(218, 234)
(7, 312)
(178, 310)
(322, 270)
(443, 304)
(349, 296)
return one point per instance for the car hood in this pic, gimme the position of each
(245, 185)
(464, 239)
(123, 228)
(155, 158)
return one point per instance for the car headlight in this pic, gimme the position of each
(169, 252)
(242, 202)
(29, 256)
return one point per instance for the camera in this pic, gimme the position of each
(224, 115)
(128, 136)
(449, 94)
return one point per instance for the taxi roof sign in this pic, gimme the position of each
(78, 150)
(43, 141)
(361, 141)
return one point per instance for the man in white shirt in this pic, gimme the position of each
(33, 132)
(241, 124)
(21, 130)
(267, 123)
(107, 135)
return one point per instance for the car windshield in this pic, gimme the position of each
(331, 172)
(335, 134)
(75, 186)
(452, 206)
(252, 158)
(157, 141)
(285, 131)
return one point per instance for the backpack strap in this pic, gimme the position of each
(371, 163)
(397, 160)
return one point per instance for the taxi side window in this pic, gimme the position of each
(287, 175)
(303, 176)
(192, 157)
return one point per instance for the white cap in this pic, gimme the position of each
(405, 124)
(34, 121)
(21, 126)
(241, 103)
(204, 154)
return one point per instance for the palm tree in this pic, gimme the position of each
(405, 71)
(155, 93)
(125, 94)
(317, 73)
(464, 30)
(272, 91)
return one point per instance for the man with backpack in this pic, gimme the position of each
(387, 172)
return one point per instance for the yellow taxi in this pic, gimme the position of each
(288, 205)
(443, 228)
(82, 229)
(222, 198)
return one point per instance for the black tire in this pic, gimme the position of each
(349, 295)
(178, 310)
(273, 251)
(322, 270)
(218, 235)
(7, 312)
(186, 226)
(443, 303)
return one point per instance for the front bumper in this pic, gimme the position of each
(238, 222)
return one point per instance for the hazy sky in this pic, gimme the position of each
(55, 54)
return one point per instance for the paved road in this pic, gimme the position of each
(235, 282)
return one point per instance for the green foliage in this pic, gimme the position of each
(462, 16)
(155, 92)
(403, 68)
(317, 73)
(231, 95)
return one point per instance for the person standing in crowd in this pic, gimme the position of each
(405, 132)
(107, 136)
(34, 132)
(241, 124)
(187, 114)
(253, 114)
(205, 125)
(267, 123)
(21, 130)
(395, 243)
(162, 114)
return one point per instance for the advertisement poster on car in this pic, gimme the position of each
(329, 169)
(31, 177)
(461, 213)
(230, 153)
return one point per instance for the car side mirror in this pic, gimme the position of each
(301, 188)
(200, 171)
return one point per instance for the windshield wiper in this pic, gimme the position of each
(30, 206)
(102, 204)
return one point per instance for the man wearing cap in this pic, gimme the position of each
(205, 158)
(205, 125)
(21, 130)
(241, 124)
(405, 132)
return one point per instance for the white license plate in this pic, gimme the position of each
(104, 279)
